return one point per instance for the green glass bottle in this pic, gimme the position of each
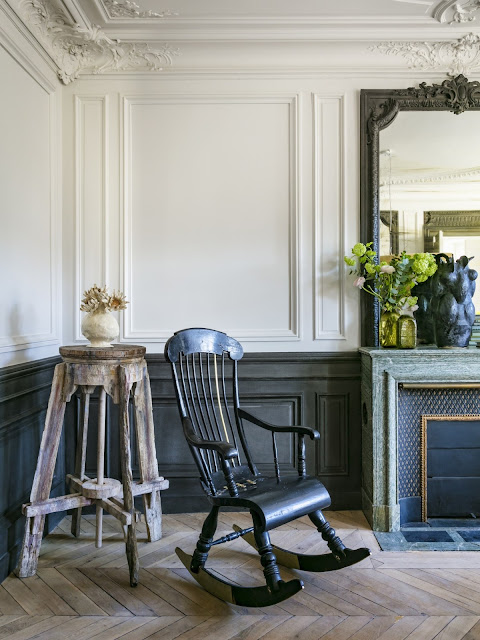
(389, 329)
(407, 332)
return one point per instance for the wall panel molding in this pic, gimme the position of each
(332, 450)
(91, 197)
(11, 343)
(161, 334)
(329, 216)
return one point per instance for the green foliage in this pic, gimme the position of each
(390, 282)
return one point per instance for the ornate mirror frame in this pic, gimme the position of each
(378, 109)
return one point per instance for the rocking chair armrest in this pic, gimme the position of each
(224, 449)
(306, 431)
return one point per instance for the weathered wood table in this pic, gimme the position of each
(120, 372)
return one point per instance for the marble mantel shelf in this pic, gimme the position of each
(383, 370)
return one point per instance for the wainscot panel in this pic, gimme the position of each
(321, 390)
(314, 389)
(24, 392)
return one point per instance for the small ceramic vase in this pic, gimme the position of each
(101, 328)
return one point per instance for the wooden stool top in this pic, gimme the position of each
(117, 352)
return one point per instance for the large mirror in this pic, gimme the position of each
(421, 175)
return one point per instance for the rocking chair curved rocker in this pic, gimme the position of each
(213, 426)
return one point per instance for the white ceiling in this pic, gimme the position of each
(147, 16)
(277, 8)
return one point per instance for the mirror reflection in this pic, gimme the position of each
(430, 185)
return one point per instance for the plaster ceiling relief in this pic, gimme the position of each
(74, 48)
(456, 57)
(129, 9)
(457, 11)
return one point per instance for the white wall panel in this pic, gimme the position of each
(232, 201)
(91, 196)
(329, 216)
(28, 178)
(211, 215)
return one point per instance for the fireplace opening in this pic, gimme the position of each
(450, 461)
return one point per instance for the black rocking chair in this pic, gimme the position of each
(213, 434)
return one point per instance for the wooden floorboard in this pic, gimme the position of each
(82, 592)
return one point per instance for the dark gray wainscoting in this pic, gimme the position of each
(24, 392)
(319, 390)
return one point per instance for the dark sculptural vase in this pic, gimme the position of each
(445, 312)
(453, 287)
(423, 315)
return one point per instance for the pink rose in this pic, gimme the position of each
(359, 282)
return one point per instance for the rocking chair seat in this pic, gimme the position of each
(275, 501)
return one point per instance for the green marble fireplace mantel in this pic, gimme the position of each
(382, 371)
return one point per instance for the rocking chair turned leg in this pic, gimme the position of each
(334, 543)
(205, 540)
(268, 560)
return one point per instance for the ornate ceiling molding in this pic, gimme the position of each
(75, 49)
(455, 57)
(129, 9)
(457, 11)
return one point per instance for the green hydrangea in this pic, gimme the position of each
(349, 261)
(359, 249)
(370, 268)
(424, 265)
(412, 300)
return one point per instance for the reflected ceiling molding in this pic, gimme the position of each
(456, 11)
(432, 178)
(75, 49)
(460, 56)
(129, 9)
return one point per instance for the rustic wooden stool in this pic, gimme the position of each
(119, 371)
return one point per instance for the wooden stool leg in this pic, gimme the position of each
(102, 405)
(81, 452)
(147, 457)
(42, 482)
(127, 479)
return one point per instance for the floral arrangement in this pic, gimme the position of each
(392, 282)
(98, 299)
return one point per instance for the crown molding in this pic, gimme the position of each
(76, 49)
(460, 56)
(128, 9)
(459, 175)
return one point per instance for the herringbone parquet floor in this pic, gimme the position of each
(81, 592)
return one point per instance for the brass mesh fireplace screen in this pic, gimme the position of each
(448, 445)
